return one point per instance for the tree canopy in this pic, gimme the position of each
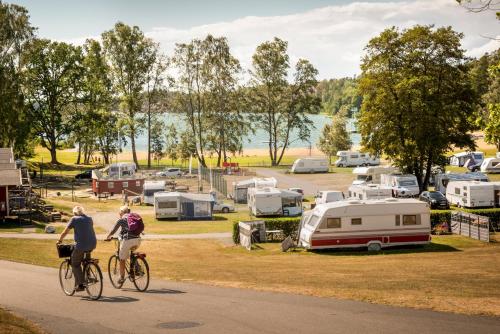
(417, 100)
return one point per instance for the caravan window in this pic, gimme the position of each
(406, 183)
(333, 223)
(111, 185)
(125, 184)
(354, 156)
(410, 220)
(314, 219)
(355, 221)
(167, 205)
(457, 191)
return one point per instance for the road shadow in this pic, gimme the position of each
(115, 299)
(408, 249)
(158, 291)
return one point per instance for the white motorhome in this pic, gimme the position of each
(327, 196)
(183, 205)
(310, 165)
(372, 223)
(354, 158)
(150, 188)
(491, 165)
(240, 189)
(459, 159)
(441, 180)
(365, 175)
(120, 169)
(265, 201)
(369, 191)
(403, 185)
(471, 194)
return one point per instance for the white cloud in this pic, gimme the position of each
(333, 37)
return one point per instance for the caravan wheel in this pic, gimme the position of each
(374, 247)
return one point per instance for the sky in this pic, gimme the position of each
(329, 33)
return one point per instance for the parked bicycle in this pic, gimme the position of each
(91, 272)
(136, 268)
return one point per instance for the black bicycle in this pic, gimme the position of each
(91, 272)
(136, 268)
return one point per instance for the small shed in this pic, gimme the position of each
(102, 184)
(10, 177)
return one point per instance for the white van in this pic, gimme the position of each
(374, 224)
(310, 165)
(403, 185)
(369, 191)
(354, 158)
(490, 165)
(366, 175)
(264, 201)
(471, 194)
(150, 188)
(327, 196)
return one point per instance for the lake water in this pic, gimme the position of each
(259, 139)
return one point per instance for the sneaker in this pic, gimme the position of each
(80, 287)
(121, 280)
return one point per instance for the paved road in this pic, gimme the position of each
(289, 180)
(46, 236)
(171, 307)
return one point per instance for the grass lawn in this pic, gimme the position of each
(12, 324)
(453, 274)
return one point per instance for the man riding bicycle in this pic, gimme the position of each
(128, 241)
(85, 242)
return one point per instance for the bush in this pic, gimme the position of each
(289, 226)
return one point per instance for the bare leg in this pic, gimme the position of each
(122, 268)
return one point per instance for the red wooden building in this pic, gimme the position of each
(102, 184)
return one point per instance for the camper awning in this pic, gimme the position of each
(290, 194)
(197, 197)
(245, 183)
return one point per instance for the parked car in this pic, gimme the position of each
(220, 206)
(435, 199)
(170, 172)
(87, 175)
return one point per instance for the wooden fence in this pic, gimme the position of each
(470, 225)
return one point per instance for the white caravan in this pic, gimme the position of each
(491, 165)
(459, 159)
(471, 194)
(150, 188)
(403, 185)
(354, 158)
(291, 203)
(327, 196)
(365, 175)
(441, 180)
(369, 191)
(120, 169)
(240, 193)
(183, 205)
(310, 165)
(372, 223)
(265, 201)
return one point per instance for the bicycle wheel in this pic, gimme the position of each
(140, 274)
(114, 271)
(66, 278)
(93, 280)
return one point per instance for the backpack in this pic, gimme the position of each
(135, 224)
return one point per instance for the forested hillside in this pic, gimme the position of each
(338, 93)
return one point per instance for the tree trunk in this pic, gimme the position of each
(149, 135)
(79, 153)
(53, 154)
(134, 153)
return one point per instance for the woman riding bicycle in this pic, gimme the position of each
(128, 240)
(85, 242)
